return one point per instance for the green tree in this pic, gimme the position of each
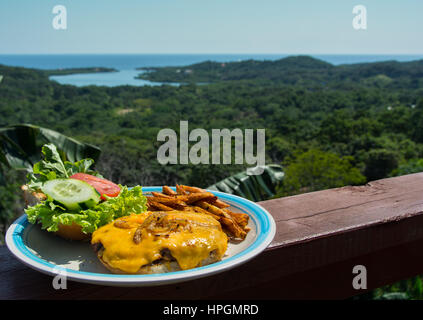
(412, 166)
(416, 122)
(379, 163)
(317, 170)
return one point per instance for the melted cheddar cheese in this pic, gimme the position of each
(189, 236)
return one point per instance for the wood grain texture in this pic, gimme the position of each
(320, 237)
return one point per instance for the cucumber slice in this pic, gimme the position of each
(73, 194)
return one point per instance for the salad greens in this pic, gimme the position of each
(51, 214)
(53, 167)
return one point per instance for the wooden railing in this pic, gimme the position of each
(320, 237)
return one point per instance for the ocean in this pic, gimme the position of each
(127, 63)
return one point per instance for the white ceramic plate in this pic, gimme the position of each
(53, 255)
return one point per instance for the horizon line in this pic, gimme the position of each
(229, 53)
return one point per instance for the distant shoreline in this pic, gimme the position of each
(77, 69)
(68, 71)
(290, 70)
(212, 54)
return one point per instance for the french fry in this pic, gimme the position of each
(150, 207)
(159, 194)
(201, 196)
(191, 189)
(240, 218)
(180, 190)
(168, 191)
(161, 206)
(213, 209)
(218, 203)
(188, 198)
(201, 210)
(236, 231)
(226, 219)
(173, 203)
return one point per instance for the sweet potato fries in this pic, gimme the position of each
(188, 198)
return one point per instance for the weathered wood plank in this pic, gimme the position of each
(320, 237)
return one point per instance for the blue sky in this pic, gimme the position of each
(213, 26)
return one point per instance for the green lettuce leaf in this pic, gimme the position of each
(50, 215)
(53, 167)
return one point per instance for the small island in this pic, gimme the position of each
(68, 71)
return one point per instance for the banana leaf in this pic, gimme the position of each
(20, 146)
(252, 187)
(394, 296)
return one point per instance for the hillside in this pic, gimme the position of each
(295, 70)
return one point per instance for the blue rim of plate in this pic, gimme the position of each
(265, 232)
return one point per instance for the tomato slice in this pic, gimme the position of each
(103, 186)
